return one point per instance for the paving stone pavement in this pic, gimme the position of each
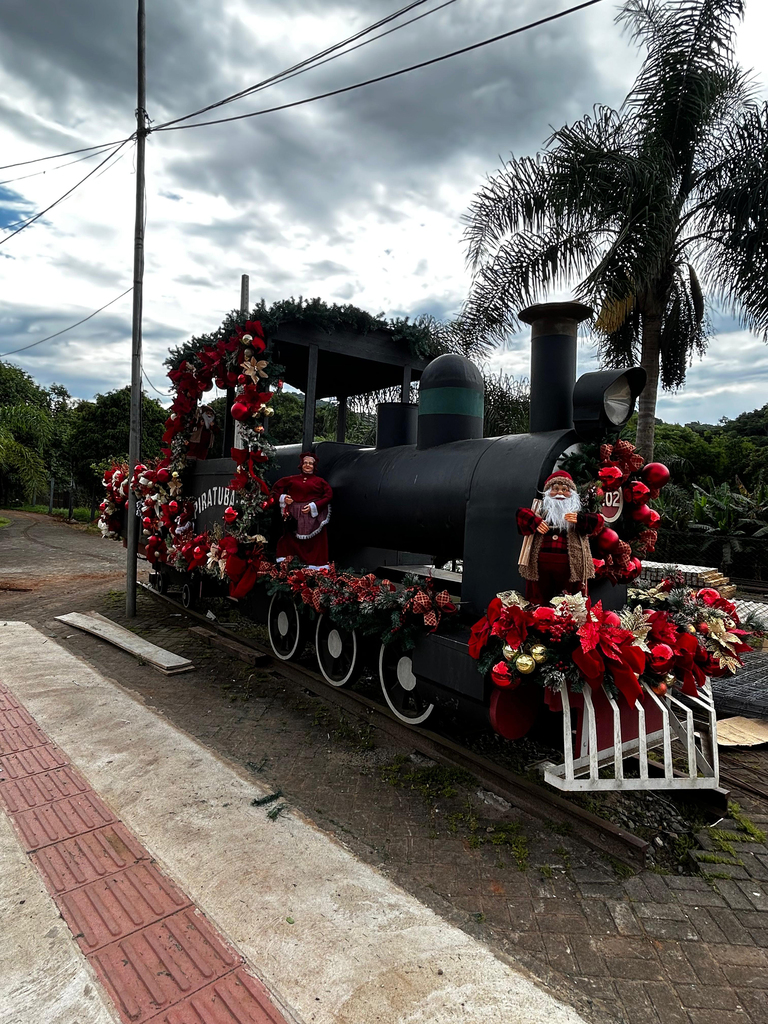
(636, 950)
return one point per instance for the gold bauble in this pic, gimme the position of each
(539, 653)
(269, 411)
(509, 653)
(670, 680)
(691, 628)
(525, 664)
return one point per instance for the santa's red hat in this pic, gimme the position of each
(559, 477)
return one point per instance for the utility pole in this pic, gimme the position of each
(134, 443)
(236, 437)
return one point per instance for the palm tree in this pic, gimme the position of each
(629, 202)
(25, 430)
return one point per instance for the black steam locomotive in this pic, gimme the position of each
(434, 492)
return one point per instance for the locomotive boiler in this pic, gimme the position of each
(433, 491)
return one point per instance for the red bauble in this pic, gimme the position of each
(653, 518)
(173, 507)
(241, 378)
(239, 411)
(147, 522)
(612, 619)
(500, 674)
(634, 570)
(641, 514)
(162, 476)
(655, 474)
(230, 515)
(607, 540)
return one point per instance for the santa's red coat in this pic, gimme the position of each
(306, 488)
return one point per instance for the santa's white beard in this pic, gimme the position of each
(555, 509)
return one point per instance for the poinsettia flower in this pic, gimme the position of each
(518, 627)
(663, 630)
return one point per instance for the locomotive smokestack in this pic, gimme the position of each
(451, 400)
(553, 362)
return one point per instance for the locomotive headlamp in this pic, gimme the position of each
(604, 401)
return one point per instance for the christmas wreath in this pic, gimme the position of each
(167, 516)
(625, 486)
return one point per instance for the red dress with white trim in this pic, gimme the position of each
(305, 536)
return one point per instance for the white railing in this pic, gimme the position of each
(593, 768)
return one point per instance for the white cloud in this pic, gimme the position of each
(357, 198)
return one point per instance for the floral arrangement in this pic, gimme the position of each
(624, 472)
(167, 518)
(667, 638)
(365, 603)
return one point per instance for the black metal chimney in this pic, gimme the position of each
(554, 326)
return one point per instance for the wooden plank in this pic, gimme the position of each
(742, 732)
(232, 647)
(107, 630)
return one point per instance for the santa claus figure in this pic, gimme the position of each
(304, 501)
(202, 437)
(557, 559)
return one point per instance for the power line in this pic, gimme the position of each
(298, 68)
(286, 76)
(71, 152)
(64, 331)
(69, 192)
(162, 393)
(384, 78)
(49, 170)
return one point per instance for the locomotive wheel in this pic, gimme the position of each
(338, 652)
(285, 627)
(160, 582)
(188, 595)
(400, 686)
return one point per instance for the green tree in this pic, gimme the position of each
(627, 202)
(99, 430)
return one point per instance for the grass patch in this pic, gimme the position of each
(79, 515)
(620, 869)
(756, 835)
(717, 858)
(4, 522)
(338, 727)
(434, 781)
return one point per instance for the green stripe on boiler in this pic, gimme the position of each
(450, 401)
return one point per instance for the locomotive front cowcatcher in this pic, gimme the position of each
(628, 678)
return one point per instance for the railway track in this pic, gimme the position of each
(521, 792)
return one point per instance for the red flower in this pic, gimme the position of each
(708, 595)
(610, 477)
(516, 623)
(662, 630)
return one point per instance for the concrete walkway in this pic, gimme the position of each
(332, 939)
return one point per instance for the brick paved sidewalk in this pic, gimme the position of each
(643, 949)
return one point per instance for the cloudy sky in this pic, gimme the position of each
(357, 198)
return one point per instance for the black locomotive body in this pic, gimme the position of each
(434, 492)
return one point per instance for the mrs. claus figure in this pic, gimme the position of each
(559, 559)
(305, 503)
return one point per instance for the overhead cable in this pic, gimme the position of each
(50, 170)
(24, 348)
(383, 78)
(296, 68)
(69, 192)
(162, 393)
(71, 152)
